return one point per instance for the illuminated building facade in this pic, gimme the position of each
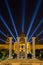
(21, 48)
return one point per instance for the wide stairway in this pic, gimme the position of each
(21, 62)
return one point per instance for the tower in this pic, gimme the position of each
(22, 47)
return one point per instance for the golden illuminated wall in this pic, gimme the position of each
(28, 47)
(14, 46)
(22, 45)
(5, 46)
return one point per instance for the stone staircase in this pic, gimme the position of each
(22, 62)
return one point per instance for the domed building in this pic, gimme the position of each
(22, 47)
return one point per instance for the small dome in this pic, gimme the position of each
(22, 34)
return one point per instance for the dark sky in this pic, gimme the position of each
(16, 7)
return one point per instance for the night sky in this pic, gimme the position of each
(20, 8)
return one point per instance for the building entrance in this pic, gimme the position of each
(22, 55)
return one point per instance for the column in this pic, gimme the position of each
(33, 47)
(10, 47)
(25, 47)
(18, 48)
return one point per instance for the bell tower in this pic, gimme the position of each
(22, 47)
